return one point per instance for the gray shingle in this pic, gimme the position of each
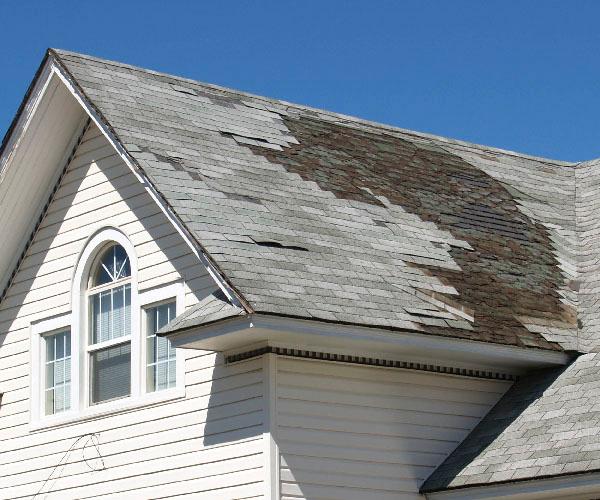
(214, 307)
(420, 225)
(531, 432)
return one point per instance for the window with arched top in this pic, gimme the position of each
(109, 344)
(105, 355)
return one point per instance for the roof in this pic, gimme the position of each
(213, 307)
(317, 215)
(548, 424)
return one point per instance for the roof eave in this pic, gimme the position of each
(233, 334)
(559, 486)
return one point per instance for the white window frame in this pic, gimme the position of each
(78, 323)
(38, 331)
(81, 320)
(154, 297)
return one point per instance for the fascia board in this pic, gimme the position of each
(237, 333)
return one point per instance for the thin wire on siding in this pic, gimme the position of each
(93, 440)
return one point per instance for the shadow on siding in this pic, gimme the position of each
(235, 408)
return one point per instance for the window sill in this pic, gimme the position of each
(110, 408)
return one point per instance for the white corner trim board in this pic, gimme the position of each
(271, 448)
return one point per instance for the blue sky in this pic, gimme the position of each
(521, 75)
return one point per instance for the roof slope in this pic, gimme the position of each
(213, 307)
(316, 215)
(545, 425)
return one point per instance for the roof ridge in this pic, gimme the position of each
(345, 118)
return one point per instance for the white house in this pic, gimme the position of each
(210, 294)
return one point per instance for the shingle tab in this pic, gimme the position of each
(323, 216)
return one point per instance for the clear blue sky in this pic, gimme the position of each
(521, 75)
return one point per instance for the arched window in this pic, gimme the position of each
(110, 325)
(105, 355)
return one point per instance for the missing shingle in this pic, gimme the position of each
(248, 240)
(196, 176)
(248, 140)
(242, 137)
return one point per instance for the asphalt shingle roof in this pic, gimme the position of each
(317, 215)
(548, 424)
(213, 307)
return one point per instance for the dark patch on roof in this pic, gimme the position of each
(511, 269)
(468, 242)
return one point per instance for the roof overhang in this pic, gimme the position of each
(575, 486)
(34, 152)
(250, 331)
(39, 141)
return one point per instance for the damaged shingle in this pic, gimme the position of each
(409, 231)
(276, 244)
(243, 197)
(183, 90)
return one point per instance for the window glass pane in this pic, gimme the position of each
(57, 373)
(113, 264)
(111, 373)
(127, 310)
(160, 354)
(118, 316)
(111, 314)
(122, 268)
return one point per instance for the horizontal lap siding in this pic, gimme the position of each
(352, 433)
(208, 445)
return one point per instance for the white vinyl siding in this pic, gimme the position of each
(206, 445)
(356, 432)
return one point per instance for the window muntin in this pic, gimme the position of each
(109, 339)
(57, 387)
(113, 265)
(110, 314)
(161, 359)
